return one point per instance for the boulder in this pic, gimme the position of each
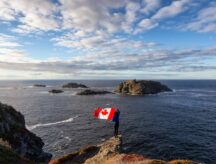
(39, 85)
(21, 140)
(56, 91)
(74, 85)
(141, 87)
(93, 92)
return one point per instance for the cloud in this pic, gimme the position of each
(205, 20)
(172, 10)
(150, 5)
(175, 8)
(8, 41)
(150, 61)
(31, 15)
(90, 16)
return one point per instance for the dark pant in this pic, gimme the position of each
(116, 127)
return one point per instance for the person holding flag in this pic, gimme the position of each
(110, 114)
(116, 120)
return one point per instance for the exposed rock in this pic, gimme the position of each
(109, 152)
(56, 91)
(92, 154)
(141, 87)
(8, 156)
(93, 92)
(74, 85)
(39, 85)
(21, 140)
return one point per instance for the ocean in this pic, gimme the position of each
(170, 125)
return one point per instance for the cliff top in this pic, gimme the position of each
(109, 152)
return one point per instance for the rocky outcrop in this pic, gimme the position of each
(141, 87)
(21, 140)
(56, 91)
(110, 152)
(92, 154)
(8, 156)
(74, 85)
(39, 85)
(93, 92)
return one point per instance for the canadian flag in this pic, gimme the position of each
(105, 113)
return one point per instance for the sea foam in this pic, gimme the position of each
(31, 127)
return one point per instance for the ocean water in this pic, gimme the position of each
(171, 125)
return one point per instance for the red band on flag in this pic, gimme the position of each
(97, 111)
(111, 115)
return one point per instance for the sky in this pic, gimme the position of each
(107, 39)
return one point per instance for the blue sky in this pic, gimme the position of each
(107, 39)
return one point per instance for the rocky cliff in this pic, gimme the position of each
(141, 87)
(23, 142)
(110, 152)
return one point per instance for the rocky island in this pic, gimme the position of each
(54, 91)
(39, 85)
(74, 85)
(141, 87)
(93, 92)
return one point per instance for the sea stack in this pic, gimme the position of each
(141, 87)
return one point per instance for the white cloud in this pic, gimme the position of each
(150, 5)
(90, 16)
(174, 9)
(204, 22)
(151, 61)
(32, 15)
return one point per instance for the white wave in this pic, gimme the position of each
(51, 123)
(7, 88)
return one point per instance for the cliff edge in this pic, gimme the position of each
(109, 152)
(19, 139)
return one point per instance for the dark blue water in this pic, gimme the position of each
(176, 125)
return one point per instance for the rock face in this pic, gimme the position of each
(39, 85)
(56, 91)
(141, 87)
(74, 85)
(110, 152)
(22, 141)
(93, 92)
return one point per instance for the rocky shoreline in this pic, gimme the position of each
(110, 152)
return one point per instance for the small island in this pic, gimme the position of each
(39, 85)
(74, 85)
(56, 91)
(141, 87)
(93, 92)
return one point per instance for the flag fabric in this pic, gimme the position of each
(105, 113)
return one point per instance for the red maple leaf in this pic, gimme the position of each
(104, 112)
